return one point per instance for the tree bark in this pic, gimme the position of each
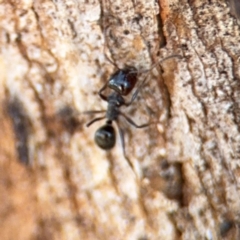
(55, 181)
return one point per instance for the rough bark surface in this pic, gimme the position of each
(56, 183)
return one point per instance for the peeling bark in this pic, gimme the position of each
(56, 183)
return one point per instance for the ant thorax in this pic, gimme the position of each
(115, 101)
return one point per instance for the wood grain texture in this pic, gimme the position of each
(56, 183)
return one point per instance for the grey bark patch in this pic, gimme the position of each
(20, 124)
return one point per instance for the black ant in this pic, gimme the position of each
(122, 82)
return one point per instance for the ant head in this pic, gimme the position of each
(123, 81)
(105, 136)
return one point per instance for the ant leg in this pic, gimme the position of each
(145, 79)
(121, 133)
(94, 111)
(133, 123)
(136, 92)
(103, 97)
(166, 58)
(158, 62)
(95, 120)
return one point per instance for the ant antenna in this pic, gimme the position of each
(95, 120)
(129, 120)
(145, 79)
(104, 29)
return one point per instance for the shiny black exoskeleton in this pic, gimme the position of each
(122, 81)
(105, 136)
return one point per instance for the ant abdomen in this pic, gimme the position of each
(105, 137)
(123, 81)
